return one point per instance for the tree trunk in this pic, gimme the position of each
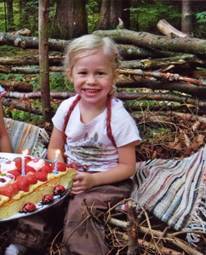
(33, 12)
(104, 21)
(43, 58)
(186, 25)
(126, 13)
(133, 21)
(70, 19)
(111, 11)
(23, 15)
(10, 18)
(28, 15)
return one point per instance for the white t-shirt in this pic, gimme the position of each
(88, 144)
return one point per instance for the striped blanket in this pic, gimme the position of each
(27, 136)
(174, 191)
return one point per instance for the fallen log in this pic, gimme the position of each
(134, 64)
(123, 82)
(133, 101)
(151, 41)
(180, 60)
(161, 75)
(16, 86)
(23, 31)
(127, 50)
(166, 116)
(167, 29)
(187, 101)
(29, 60)
(28, 69)
(28, 42)
(163, 106)
(37, 95)
(20, 105)
(182, 87)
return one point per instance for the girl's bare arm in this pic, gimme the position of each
(57, 142)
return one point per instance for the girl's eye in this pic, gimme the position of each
(100, 73)
(82, 72)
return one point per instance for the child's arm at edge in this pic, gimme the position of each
(5, 144)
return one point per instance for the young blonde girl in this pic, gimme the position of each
(94, 131)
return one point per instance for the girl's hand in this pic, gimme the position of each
(82, 181)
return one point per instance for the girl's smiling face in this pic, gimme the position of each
(93, 76)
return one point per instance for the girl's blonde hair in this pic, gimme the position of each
(85, 45)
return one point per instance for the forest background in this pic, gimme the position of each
(72, 18)
(19, 66)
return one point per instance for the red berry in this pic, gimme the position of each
(41, 175)
(61, 166)
(15, 187)
(23, 183)
(47, 199)
(28, 207)
(7, 190)
(31, 178)
(15, 173)
(59, 190)
(48, 167)
(18, 163)
(29, 169)
(27, 159)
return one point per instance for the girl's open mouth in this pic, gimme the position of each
(91, 91)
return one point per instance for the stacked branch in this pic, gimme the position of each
(141, 233)
(156, 74)
(148, 60)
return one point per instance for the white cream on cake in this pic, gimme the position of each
(36, 164)
(7, 166)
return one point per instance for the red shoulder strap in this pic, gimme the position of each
(108, 118)
(108, 121)
(71, 108)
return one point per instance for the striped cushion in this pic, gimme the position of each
(27, 136)
(174, 190)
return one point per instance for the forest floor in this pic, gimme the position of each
(170, 136)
